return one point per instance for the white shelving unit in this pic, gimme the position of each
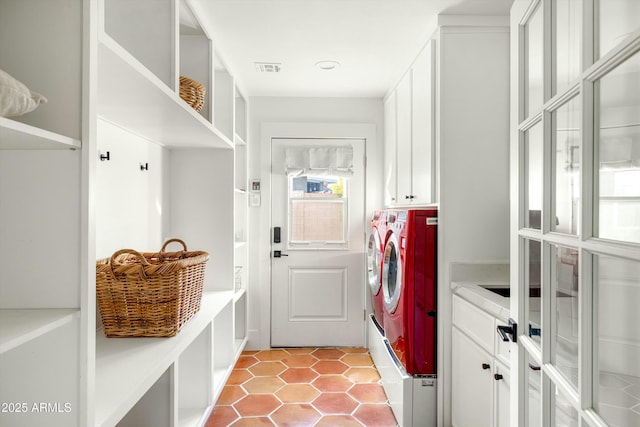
(241, 208)
(111, 76)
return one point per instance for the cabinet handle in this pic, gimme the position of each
(486, 366)
(534, 367)
(497, 377)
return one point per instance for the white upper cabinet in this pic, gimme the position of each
(422, 147)
(409, 135)
(404, 176)
(390, 141)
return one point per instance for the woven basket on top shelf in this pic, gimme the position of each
(149, 294)
(192, 92)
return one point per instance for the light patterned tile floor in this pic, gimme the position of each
(303, 387)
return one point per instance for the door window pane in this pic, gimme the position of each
(618, 19)
(567, 143)
(534, 387)
(318, 211)
(565, 274)
(534, 65)
(568, 31)
(619, 152)
(564, 413)
(533, 175)
(534, 285)
(617, 297)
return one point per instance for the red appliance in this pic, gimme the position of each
(375, 249)
(410, 288)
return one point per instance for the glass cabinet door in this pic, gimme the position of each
(575, 260)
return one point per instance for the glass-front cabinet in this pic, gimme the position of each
(575, 244)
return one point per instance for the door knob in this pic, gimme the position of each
(486, 366)
(278, 254)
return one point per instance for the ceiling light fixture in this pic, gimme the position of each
(327, 65)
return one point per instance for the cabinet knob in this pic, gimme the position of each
(497, 377)
(407, 197)
(486, 366)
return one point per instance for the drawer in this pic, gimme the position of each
(476, 323)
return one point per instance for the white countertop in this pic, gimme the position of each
(492, 303)
(470, 280)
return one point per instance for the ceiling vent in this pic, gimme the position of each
(268, 67)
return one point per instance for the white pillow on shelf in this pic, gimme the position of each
(15, 98)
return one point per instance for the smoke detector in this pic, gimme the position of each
(268, 67)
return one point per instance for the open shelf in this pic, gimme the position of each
(134, 98)
(18, 327)
(20, 136)
(127, 367)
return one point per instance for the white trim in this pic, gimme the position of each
(269, 131)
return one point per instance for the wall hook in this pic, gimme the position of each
(104, 157)
(144, 167)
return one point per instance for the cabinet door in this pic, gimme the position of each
(403, 100)
(422, 156)
(501, 389)
(390, 144)
(471, 383)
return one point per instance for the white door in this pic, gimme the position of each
(318, 265)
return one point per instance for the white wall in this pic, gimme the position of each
(298, 110)
(130, 203)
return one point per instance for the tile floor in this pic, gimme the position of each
(303, 387)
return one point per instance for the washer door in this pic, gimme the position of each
(392, 274)
(374, 256)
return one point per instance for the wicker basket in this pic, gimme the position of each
(149, 294)
(192, 92)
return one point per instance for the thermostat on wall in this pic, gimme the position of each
(254, 196)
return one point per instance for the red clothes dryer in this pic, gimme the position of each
(375, 248)
(409, 288)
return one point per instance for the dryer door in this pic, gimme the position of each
(374, 257)
(392, 274)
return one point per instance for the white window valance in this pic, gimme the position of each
(319, 161)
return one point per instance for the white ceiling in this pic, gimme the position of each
(373, 40)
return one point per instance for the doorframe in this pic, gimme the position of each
(268, 132)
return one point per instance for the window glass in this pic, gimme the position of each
(618, 137)
(565, 270)
(534, 387)
(568, 40)
(533, 175)
(534, 65)
(617, 298)
(318, 208)
(534, 285)
(618, 19)
(564, 413)
(567, 143)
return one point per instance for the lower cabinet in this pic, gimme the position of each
(471, 382)
(480, 379)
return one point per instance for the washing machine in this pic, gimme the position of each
(375, 248)
(409, 288)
